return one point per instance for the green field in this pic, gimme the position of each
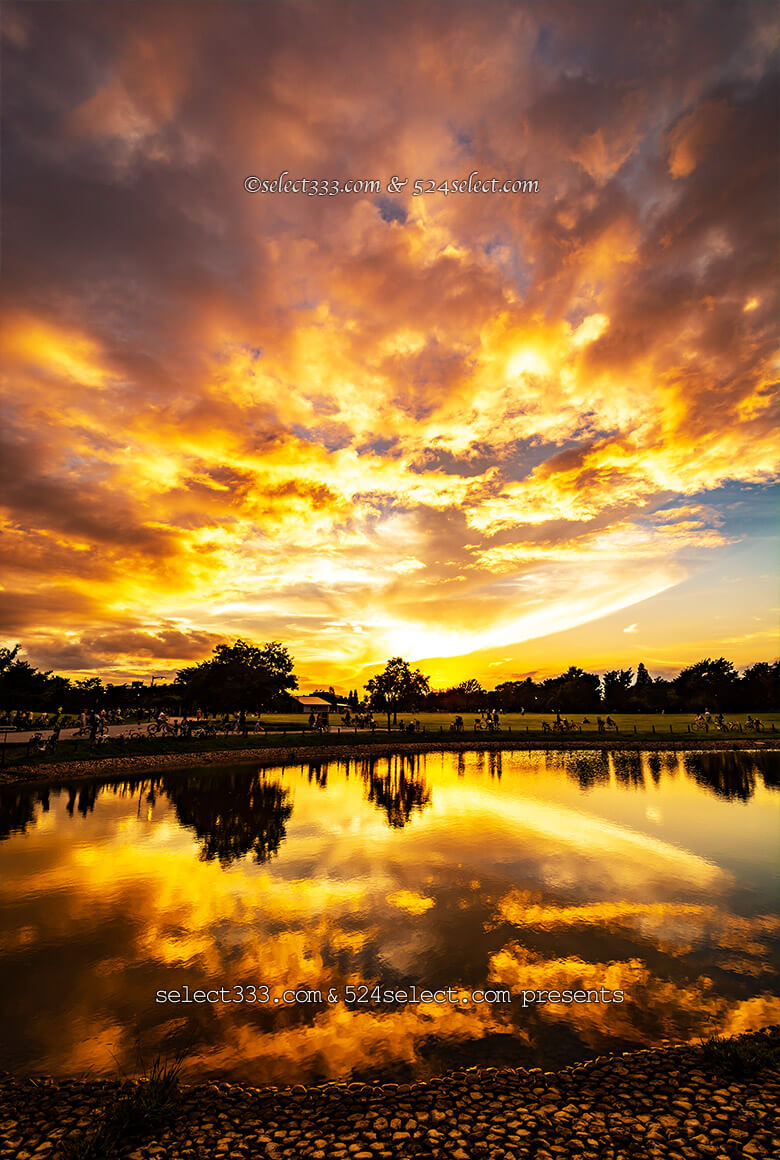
(534, 722)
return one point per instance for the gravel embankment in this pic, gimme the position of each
(669, 1102)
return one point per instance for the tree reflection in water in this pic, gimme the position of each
(395, 786)
(318, 773)
(588, 769)
(86, 795)
(18, 810)
(628, 768)
(232, 814)
(235, 814)
(728, 774)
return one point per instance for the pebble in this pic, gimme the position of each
(618, 1108)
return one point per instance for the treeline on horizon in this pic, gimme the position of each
(261, 678)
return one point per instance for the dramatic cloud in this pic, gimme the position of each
(371, 423)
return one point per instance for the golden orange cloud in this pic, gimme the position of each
(390, 421)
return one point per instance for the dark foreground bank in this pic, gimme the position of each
(336, 749)
(718, 1101)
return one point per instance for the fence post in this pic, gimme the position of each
(670, 729)
(653, 728)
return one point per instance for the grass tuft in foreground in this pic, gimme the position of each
(745, 1055)
(131, 1116)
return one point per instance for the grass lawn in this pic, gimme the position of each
(532, 722)
(626, 722)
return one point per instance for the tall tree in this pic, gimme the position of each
(516, 695)
(397, 687)
(574, 691)
(709, 684)
(616, 683)
(240, 676)
(760, 686)
(22, 686)
(8, 656)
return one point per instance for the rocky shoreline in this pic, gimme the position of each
(679, 1102)
(109, 767)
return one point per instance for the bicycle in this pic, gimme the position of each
(162, 729)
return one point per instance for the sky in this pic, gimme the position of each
(494, 433)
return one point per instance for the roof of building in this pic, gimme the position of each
(313, 703)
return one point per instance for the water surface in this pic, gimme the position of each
(650, 874)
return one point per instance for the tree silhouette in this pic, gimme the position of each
(760, 686)
(512, 696)
(707, 684)
(397, 687)
(617, 683)
(22, 685)
(240, 676)
(574, 690)
(248, 676)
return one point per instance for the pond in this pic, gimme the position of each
(461, 885)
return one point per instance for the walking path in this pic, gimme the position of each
(21, 737)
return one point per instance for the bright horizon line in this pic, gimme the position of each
(656, 668)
